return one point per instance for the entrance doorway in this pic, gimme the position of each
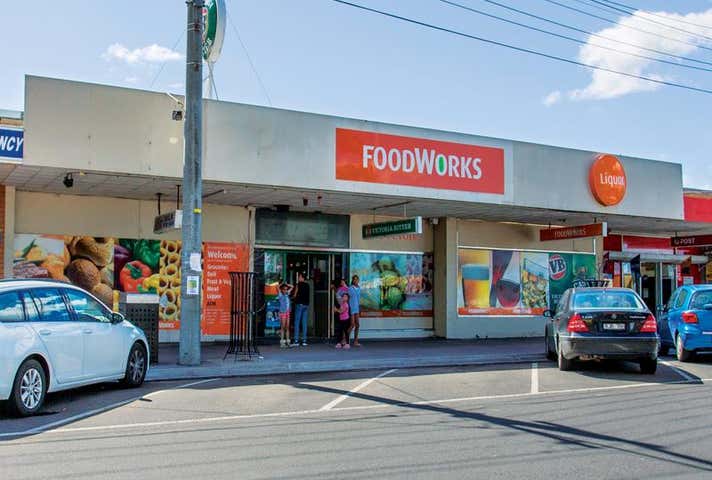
(320, 269)
(658, 281)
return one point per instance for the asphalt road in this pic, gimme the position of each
(506, 421)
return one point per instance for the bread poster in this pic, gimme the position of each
(87, 262)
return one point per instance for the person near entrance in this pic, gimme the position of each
(284, 312)
(301, 310)
(343, 324)
(354, 300)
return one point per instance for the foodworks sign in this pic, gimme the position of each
(396, 160)
(12, 142)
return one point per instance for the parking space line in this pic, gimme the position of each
(96, 411)
(679, 371)
(356, 389)
(535, 378)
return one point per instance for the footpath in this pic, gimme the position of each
(322, 357)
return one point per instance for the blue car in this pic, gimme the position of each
(686, 323)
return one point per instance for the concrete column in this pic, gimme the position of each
(445, 288)
(8, 230)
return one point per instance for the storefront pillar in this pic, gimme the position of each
(445, 266)
(7, 216)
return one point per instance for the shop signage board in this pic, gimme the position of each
(419, 162)
(214, 31)
(168, 221)
(397, 227)
(692, 241)
(219, 260)
(607, 180)
(580, 231)
(12, 142)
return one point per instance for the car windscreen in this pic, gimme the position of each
(602, 299)
(701, 298)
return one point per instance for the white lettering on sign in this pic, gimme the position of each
(613, 180)
(10, 143)
(423, 161)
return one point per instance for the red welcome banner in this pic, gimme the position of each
(219, 259)
(396, 160)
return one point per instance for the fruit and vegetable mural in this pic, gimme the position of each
(511, 282)
(394, 284)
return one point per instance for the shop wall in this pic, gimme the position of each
(516, 236)
(115, 217)
(402, 243)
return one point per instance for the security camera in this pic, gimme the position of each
(177, 115)
(68, 180)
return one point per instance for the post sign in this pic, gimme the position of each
(692, 241)
(168, 221)
(419, 162)
(581, 231)
(12, 142)
(607, 180)
(398, 227)
(214, 29)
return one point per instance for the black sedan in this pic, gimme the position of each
(602, 323)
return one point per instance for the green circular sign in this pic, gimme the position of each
(214, 29)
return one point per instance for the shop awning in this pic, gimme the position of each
(655, 257)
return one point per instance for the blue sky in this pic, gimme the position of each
(319, 56)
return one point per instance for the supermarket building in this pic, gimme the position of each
(287, 192)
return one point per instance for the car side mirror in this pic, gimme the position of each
(548, 313)
(116, 317)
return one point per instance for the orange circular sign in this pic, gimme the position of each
(607, 180)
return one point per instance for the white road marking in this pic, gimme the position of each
(226, 418)
(680, 372)
(80, 416)
(356, 389)
(535, 378)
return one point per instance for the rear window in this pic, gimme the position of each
(606, 299)
(700, 299)
(11, 308)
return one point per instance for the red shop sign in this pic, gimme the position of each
(607, 180)
(691, 241)
(418, 162)
(581, 231)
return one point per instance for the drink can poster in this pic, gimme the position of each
(564, 269)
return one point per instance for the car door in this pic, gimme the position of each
(104, 342)
(60, 333)
(674, 314)
(560, 317)
(663, 327)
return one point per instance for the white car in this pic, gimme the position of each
(55, 336)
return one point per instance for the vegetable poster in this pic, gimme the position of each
(394, 284)
(219, 259)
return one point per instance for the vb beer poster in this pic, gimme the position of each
(514, 282)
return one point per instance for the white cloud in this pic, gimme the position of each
(131, 79)
(610, 85)
(551, 99)
(176, 86)
(148, 54)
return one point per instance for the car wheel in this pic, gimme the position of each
(564, 364)
(551, 355)
(28, 390)
(683, 355)
(648, 366)
(136, 366)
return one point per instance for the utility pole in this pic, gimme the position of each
(189, 348)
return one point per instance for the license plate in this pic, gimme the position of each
(614, 326)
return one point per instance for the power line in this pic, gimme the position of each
(249, 59)
(572, 39)
(630, 27)
(651, 14)
(520, 49)
(175, 45)
(580, 30)
(656, 22)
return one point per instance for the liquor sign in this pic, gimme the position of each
(396, 160)
(398, 227)
(214, 29)
(581, 231)
(168, 221)
(11, 144)
(691, 241)
(607, 180)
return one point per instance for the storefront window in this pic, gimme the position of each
(512, 282)
(274, 275)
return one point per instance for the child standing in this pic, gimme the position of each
(344, 323)
(284, 311)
